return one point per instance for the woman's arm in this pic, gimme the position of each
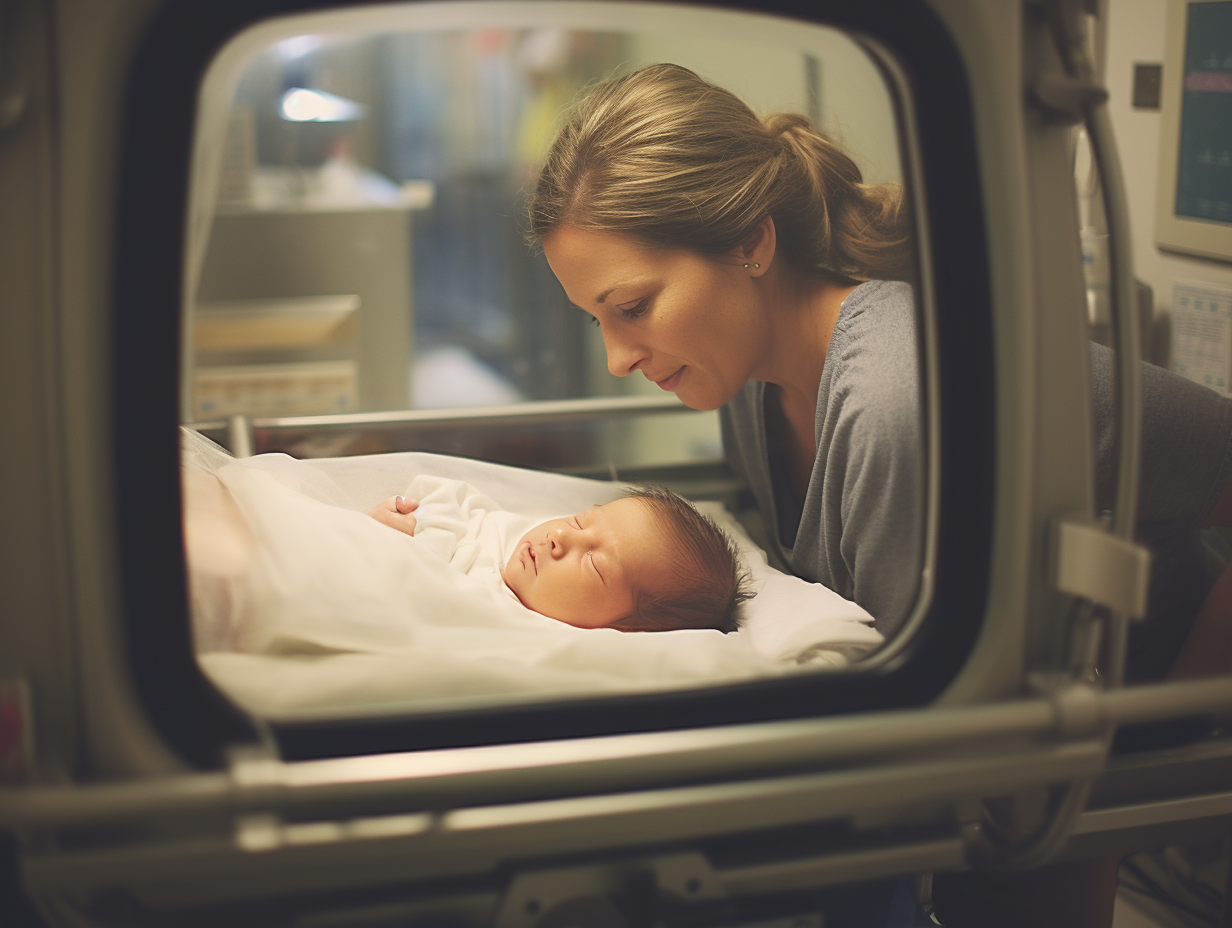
(1207, 651)
(1223, 509)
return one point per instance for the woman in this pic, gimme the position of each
(745, 265)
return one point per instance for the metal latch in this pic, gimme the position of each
(1090, 562)
(1066, 98)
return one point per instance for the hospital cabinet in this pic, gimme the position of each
(303, 311)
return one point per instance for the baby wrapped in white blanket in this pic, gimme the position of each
(304, 606)
(649, 561)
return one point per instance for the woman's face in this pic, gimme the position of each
(689, 323)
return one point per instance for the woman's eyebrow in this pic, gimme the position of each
(636, 282)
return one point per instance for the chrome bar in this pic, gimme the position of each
(811, 872)
(605, 407)
(480, 839)
(1159, 812)
(1163, 701)
(540, 771)
(531, 772)
(240, 437)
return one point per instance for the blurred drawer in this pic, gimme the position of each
(297, 322)
(277, 389)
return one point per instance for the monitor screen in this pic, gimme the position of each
(1204, 174)
(1195, 191)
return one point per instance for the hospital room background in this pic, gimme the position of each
(368, 248)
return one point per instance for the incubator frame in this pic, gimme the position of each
(150, 268)
(150, 790)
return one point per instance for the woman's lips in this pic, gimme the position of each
(670, 383)
(534, 561)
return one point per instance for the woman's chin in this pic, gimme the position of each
(700, 403)
(703, 393)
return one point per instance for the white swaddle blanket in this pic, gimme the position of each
(304, 607)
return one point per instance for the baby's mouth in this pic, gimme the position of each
(534, 558)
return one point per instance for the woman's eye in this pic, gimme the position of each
(632, 312)
(594, 320)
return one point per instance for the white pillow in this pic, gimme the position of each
(792, 619)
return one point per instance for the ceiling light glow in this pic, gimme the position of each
(302, 105)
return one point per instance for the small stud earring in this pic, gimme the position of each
(755, 264)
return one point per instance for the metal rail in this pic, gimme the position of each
(514, 414)
(478, 839)
(535, 772)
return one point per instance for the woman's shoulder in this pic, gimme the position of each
(878, 305)
(872, 365)
(876, 329)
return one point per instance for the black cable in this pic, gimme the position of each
(1152, 889)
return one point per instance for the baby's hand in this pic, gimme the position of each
(397, 512)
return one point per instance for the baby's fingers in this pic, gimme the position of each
(396, 513)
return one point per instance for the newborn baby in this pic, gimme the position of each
(646, 562)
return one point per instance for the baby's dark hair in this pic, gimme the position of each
(708, 582)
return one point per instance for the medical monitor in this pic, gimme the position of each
(1194, 207)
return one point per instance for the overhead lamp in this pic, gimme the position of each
(302, 105)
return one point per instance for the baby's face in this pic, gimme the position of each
(583, 569)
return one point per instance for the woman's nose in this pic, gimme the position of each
(623, 356)
(558, 542)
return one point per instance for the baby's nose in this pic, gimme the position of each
(558, 539)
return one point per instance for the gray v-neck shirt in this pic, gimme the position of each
(860, 528)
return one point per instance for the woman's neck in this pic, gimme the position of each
(803, 315)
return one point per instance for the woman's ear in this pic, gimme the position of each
(757, 250)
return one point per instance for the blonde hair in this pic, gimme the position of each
(671, 160)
